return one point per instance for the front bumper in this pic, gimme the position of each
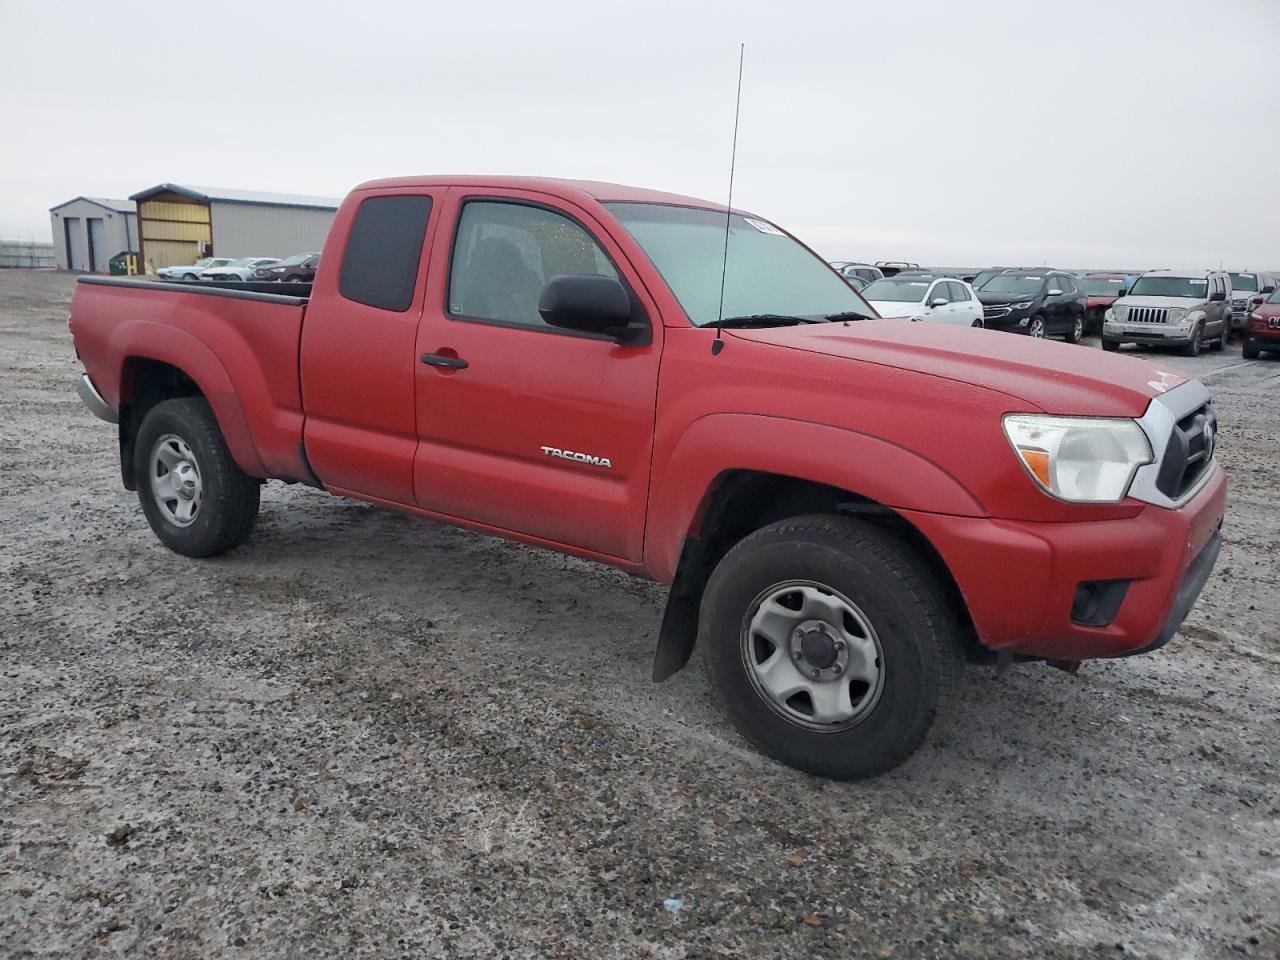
(93, 400)
(1016, 321)
(1019, 579)
(1157, 333)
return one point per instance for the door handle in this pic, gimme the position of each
(441, 360)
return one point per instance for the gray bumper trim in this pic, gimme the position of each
(93, 400)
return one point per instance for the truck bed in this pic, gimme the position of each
(238, 342)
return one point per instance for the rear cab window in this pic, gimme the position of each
(380, 262)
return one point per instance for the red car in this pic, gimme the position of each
(844, 506)
(1101, 291)
(1262, 330)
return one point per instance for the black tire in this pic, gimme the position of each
(920, 665)
(978, 324)
(1077, 330)
(228, 505)
(1110, 344)
(1251, 350)
(1192, 349)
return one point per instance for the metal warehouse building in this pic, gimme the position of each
(89, 231)
(180, 224)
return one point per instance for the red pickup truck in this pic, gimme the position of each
(845, 507)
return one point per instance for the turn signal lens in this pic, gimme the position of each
(1081, 459)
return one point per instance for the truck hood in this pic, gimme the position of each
(1055, 377)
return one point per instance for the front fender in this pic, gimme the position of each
(848, 460)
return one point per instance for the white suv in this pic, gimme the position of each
(1172, 308)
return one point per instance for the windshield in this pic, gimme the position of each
(296, 258)
(207, 261)
(243, 262)
(1247, 282)
(897, 291)
(983, 277)
(1194, 287)
(1275, 296)
(1013, 283)
(767, 271)
(1094, 287)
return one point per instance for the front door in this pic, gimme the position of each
(524, 427)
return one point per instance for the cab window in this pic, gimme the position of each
(505, 253)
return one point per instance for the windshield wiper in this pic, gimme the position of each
(763, 320)
(847, 315)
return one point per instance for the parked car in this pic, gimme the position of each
(863, 271)
(843, 509)
(1245, 287)
(1101, 290)
(192, 271)
(1168, 308)
(241, 269)
(1262, 332)
(1039, 304)
(856, 282)
(889, 267)
(981, 278)
(916, 296)
(299, 268)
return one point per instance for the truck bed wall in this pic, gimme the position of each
(240, 348)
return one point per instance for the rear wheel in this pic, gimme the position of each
(977, 323)
(198, 501)
(1110, 345)
(1077, 330)
(1036, 327)
(829, 644)
(1251, 350)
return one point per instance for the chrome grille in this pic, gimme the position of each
(996, 311)
(1146, 315)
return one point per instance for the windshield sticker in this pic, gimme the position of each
(1031, 278)
(765, 227)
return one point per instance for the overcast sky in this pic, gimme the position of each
(1127, 132)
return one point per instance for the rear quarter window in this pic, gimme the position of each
(384, 248)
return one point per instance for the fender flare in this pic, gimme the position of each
(860, 463)
(168, 344)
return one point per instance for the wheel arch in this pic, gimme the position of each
(738, 500)
(167, 364)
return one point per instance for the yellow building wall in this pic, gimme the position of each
(172, 228)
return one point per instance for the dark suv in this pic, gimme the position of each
(1039, 303)
(299, 268)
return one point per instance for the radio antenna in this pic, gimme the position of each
(718, 344)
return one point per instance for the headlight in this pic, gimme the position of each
(1176, 314)
(1024, 305)
(1109, 316)
(1081, 459)
(277, 269)
(1255, 315)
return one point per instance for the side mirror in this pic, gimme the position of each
(939, 302)
(1124, 292)
(589, 303)
(1268, 289)
(1218, 295)
(1055, 292)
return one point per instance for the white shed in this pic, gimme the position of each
(179, 224)
(89, 231)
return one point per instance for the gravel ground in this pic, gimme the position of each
(365, 735)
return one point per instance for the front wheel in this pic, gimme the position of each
(1251, 350)
(1036, 328)
(1110, 345)
(197, 500)
(830, 645)
(1192, 349)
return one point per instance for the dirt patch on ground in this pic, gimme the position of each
(362, 734)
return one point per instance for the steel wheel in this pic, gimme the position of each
(1036, 329)
(812, 655)
(176, 484)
